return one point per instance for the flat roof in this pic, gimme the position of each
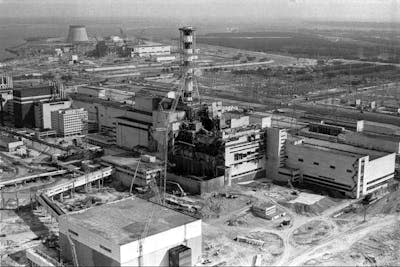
(132, 162)
(394, 138)
(124, 221)
(342, 149)
(108, 103)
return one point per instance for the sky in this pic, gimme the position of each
(349, 10)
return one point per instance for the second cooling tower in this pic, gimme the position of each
(77, 33)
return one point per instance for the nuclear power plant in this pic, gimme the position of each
(77, 34)
(134, 144)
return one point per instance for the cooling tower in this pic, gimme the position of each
(77, 33)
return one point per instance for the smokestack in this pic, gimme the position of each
(77, 34)
(187, 49)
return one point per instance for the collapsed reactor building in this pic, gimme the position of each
(208, 142)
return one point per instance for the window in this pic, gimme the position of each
(301, 160)
(106, 249)
(315, 163)
(72, 232)
(332, 167)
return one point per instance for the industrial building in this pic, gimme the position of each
(151, 50)
(6, 93)
(43, 112)
(351, 170)
(6, 82)
(236, 151)
(10, 144)
(130, 232)
(68, 122)
(139, 171)
(24, 99)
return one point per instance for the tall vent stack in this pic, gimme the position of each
(77, 34)
(188, 51)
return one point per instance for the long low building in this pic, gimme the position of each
(124, 233)
(351, 170)
(139, 170)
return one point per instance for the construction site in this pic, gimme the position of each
(195, 155)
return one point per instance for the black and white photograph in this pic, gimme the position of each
(205, 133)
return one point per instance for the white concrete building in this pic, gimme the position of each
(10, 144)
(127, 167)
(244, 149)
(165, 58)
(151, 50)
(43, 112)
(113, 235)
(351, 170)
(69, 122)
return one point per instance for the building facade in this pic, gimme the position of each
(43, 112)
(24, 100)
(6, 93)
(68, 122)
(151, 50)
(352, 171)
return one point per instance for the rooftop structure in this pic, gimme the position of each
(112, 234)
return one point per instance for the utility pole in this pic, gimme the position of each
(165, 165)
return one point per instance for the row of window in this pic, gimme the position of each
(317, 164)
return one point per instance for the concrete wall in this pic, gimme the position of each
(378, 171)
(246, 154)
(43, 112)
(125, 176)
(86, 255)
(156, 247)
(131, 136)
(275, 146)
(249, 176)
(371, 142)
(381, 128)
(334, 170)
(194, 186)
(105, 116)
(89, 239)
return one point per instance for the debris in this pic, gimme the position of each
(205, 261)
(228, 195)
(250, 241)
(222, 263)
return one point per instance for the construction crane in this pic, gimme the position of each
(134, 176)
(153, 186)
(73, 250)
